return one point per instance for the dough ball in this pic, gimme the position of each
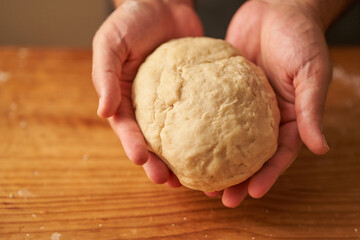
(207, 112)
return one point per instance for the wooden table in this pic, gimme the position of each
(64, 174)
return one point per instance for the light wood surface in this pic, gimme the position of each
(63, 171)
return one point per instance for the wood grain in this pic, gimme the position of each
(62, 170)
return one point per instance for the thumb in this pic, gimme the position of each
(109, 54)
(311, 85)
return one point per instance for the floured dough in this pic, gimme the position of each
(207, 112)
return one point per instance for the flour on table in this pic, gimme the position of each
(55, 236)
(25, 193)
(351, 80)
(23, 53)
(13, 107)
(4, 76)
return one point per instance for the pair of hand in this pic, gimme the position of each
(286, 40)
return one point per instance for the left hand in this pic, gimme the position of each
(287, 41)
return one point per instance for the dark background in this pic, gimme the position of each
(69, 23)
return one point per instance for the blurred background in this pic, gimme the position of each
(69, 23)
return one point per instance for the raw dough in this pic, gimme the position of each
(208, 113)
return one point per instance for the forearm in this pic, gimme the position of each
(117, 3)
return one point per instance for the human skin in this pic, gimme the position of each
(286, 38)
(121, 44)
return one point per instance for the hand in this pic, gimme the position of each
(288, 42)
(121, 44)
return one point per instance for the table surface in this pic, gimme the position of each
(64, 174)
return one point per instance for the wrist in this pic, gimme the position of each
(323, 12)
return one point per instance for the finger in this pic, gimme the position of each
(173, 181)
(213, 194)
(311, 84)
(156, 170)
(234, 195)
(131, 137)
(238, 33)
(288, 148)
(109, 53)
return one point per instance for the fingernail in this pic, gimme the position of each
(325, 143)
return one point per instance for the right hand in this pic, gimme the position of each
(121, 44)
